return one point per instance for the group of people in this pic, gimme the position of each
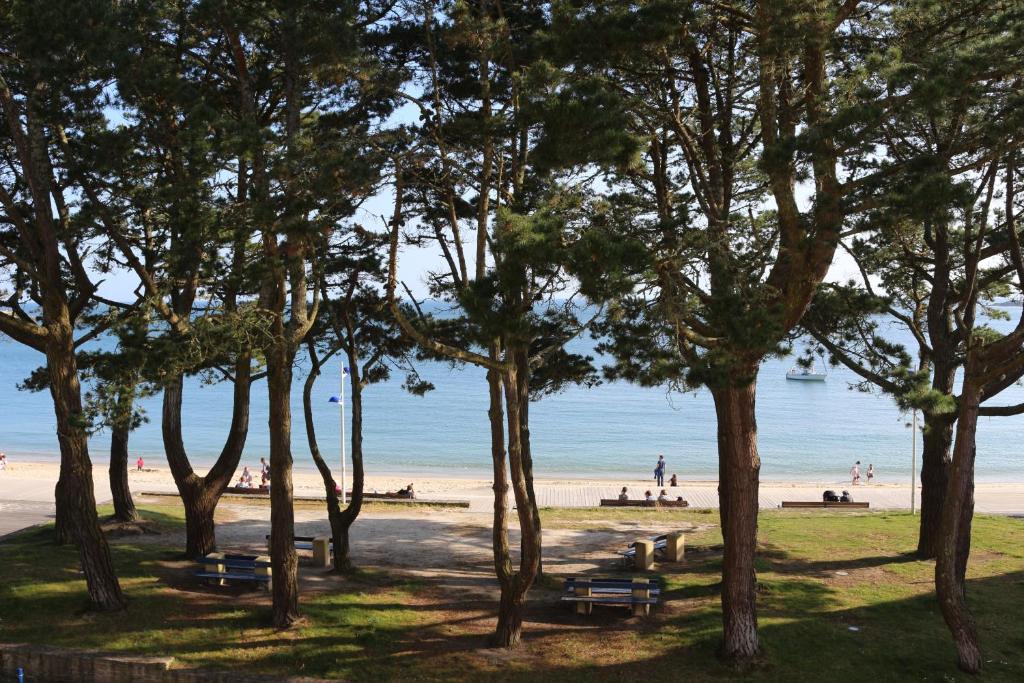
(855, 473)
(245, 481)
(648, 496)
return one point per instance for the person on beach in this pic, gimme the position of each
(3, 461)
(623, 495)
(871, 472)
(659, 470)
(407, 492)
(139, 464)
(648, 497)
(264, 468)
(673, 481)
(245, 481)
(663, 496)
(855, 473)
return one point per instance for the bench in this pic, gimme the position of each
(660, 543)
(246, 490)
(220, 567)
(616, 503)
(638, 594)
(823, 504)
(305, 542)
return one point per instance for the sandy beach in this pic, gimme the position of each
(33, 482)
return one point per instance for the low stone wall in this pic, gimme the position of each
(55, 665)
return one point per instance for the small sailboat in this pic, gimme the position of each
(800, 373)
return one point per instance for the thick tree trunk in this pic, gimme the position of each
(738, 466)
(957, 513)
(200, 495)
(124, 506)
(935, 458)
(283, 559)
(509, 630)
(76, 498)
(62, 533)
(937, 437)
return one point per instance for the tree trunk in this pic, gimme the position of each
(509, 630)
(76, 498)
(523, 374)
(514, 586)
(341, 520)
(348, 516)
(957, 513)
(200, 495)
(124, 506)
(283, 558)
(62, 533)
(937, 440)
(738, 469)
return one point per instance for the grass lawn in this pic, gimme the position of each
(840, 600)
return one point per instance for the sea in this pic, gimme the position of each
(807, 431)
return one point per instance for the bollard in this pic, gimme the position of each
(641, 589)
(21, 675)
(321, 552)
(675, 546)
(644, 554)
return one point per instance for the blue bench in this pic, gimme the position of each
(235, 568)
(660, 543)
(638, 594)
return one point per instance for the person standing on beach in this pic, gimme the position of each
(659, 470)
(139, 464)
(855, 473)
(871, 472)
(3, 461)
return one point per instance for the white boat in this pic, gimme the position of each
(798, 373)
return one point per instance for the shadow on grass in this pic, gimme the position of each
(380, 627)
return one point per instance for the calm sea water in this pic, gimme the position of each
(807, 430)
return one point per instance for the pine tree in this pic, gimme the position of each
(739, 104)
(50, 96)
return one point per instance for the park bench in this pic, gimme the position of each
(247, 490)
(660, 543)
(638, 594)
(304, 542)
(221, 567)
(823, 504)
(395, 498)
(615, 502)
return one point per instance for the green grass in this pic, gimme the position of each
(819, 573)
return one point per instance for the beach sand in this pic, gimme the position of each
(447, 544)
(34, 481)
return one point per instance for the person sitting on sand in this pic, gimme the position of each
(663, 497)
(648, 497)
(407, 492)
(673, 481)
(623, 495)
